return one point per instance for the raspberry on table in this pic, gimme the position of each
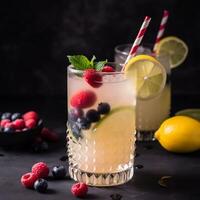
(79, 189)
(29, 179)
(40, 169)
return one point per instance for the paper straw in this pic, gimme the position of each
(138, 39)
(161, 28)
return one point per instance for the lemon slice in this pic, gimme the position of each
(175, 48)
(148, 75)
(190, 112)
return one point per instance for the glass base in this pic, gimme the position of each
(101, 179)
(145, 135)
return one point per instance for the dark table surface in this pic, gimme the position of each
(183, 169)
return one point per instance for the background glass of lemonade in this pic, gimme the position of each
(103, 154)
(150, 113)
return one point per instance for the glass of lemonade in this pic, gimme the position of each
(150, 112)
(101, 153)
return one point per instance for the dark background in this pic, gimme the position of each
(36, 36)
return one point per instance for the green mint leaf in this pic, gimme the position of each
(80, 62)
(92, 61)
(99, 65)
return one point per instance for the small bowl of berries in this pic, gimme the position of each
(19, 129)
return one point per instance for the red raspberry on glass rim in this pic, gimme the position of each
(79, 189)
(83, 99)
(92, 77)
(107, 68)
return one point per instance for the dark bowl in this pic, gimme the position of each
(20, 138)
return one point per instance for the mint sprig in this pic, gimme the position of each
(81, 62)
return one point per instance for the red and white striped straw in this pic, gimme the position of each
(161, 28)
(138, 39)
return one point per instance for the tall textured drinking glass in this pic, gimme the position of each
(101, 153)
(151, 112)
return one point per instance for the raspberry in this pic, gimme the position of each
(19, 124)
(29, 179)
(40, 169)
(4, 122)
(30, 123)
(30, 115)
(92, 78)
(79, 189)
(49, 135)
(83, 99)
(107, 68)
(9, 125)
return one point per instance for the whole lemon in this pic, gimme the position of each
(179, 134)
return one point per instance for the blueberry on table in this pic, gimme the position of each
(59, 172)
(103, 108)
(16, 116)
(92, 115)
(41, 185)
(6, 115)
(83, 123)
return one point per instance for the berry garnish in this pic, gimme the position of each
(76, 131)
(6, 115)
(92, 115)
(4, 122)
(59, 172)
(16, 116)
(103, 108)
(18, 124)
(83, 123)
(75, 113)
(30, 123)
(40, 169)
(30, 115)
(83, 99)
(107, 68)
(41, 185)
(92, 78)
(49, 135)
(29, 179)
(79, 189)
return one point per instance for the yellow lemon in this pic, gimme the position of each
(179, 134)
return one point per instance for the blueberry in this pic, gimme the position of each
(16, 116)
(6, 115)
(75, 113)
(83, 123)
(103, 108)
(8, 130)
(41, 185)
(76, 131)
(92, 115)
(59, 172)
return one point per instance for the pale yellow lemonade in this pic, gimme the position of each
(103, 155)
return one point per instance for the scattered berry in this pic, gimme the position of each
(116, 196)
(30, 123)
(79, 189)
(107, 68)
(92, 78)
(49, 135)
(8, 130)
(30, 115)
(103, 108)
(92, 115)
(59, 172)
(9, 125)
(18, 124)
(41, 185)
(83, 123)
(29, 179)
(4, 122)
(6, 115)
(16, 116)
(75, 113)
(40, 169)
(83, 99)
